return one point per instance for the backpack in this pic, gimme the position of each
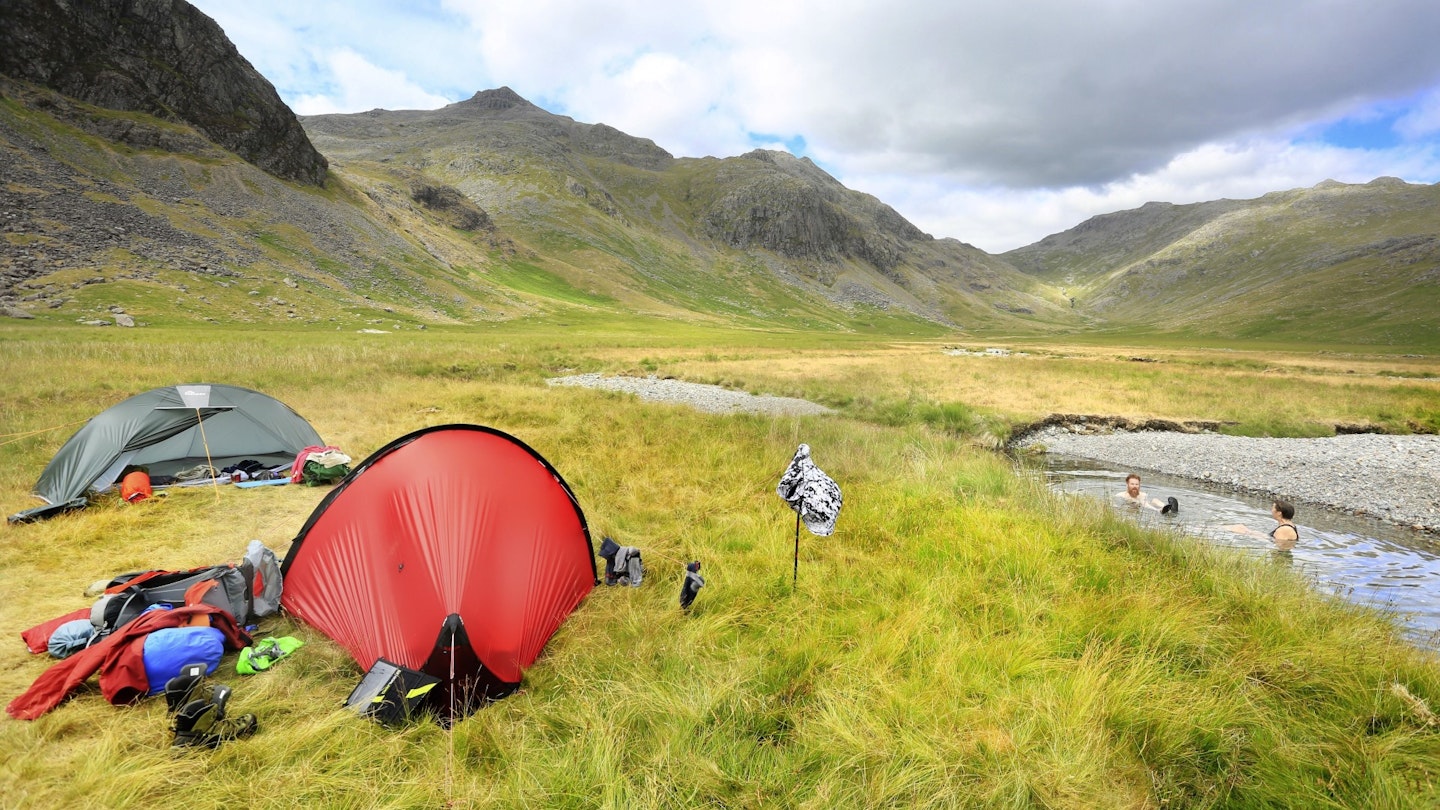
(248, 591)
(223, 586)
(262, 568)
(136, 486)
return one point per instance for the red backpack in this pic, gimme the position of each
(136, 486)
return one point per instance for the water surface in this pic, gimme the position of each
(1359, 558)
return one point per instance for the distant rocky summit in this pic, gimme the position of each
(791, 206)
(161, 57)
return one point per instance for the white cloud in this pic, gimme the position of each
(692, 122)
(293, 43)
(354, 82)
(997, 219)
(1423, 120)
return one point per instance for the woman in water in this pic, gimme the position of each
(1285, 535)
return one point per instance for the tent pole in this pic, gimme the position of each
(214, 479)
(450, 729)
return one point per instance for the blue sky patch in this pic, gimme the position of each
(795, 144)
(1375, 132)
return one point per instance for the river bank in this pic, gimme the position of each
(1392, 478)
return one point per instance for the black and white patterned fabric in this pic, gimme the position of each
(811, 493)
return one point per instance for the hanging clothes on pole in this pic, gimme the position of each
(811, 493)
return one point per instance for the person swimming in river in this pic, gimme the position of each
(1285, 534)
(1132, 496)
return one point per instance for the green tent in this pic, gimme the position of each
(168, 430)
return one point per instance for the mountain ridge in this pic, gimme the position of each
(1364, 258)
(217, 204)
(535, 171)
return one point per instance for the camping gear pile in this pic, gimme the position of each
(443, 563)
(318, 466)
(148, 628)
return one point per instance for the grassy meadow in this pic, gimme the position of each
(965, 639)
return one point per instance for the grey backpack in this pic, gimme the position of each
(263, 570)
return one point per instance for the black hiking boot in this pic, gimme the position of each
(201, 723)
(179, 689)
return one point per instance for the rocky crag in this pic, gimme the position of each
(161, 57)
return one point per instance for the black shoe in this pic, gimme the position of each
(195, 724)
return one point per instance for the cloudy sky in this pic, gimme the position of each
(995, 122)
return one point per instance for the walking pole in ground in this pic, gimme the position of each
(813, 495)
(795, 576)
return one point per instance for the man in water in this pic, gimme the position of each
(1132, 496)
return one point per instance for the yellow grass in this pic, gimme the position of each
(965, 639)
(1298, 392)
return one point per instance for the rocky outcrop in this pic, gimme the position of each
(1088, 424)
(792, 207)
(498, 99)
(598, 140)
(610, 143)
(160, 57)
(54, 216)
(454, 207)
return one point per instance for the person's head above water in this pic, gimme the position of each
(1285, 510)
(1132, 485)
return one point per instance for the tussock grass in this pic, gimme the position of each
(1274, 393)
(965, 639)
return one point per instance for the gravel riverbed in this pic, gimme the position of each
(708, 398)
(1393, 478)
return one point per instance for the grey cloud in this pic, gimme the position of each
(1037, 93)
(1060, 93)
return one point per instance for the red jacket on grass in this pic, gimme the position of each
(120, 660)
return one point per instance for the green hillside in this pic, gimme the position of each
(464, 217)
(1333, 263)
(494, 209)
(764, 235)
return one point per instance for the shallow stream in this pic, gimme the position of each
(1361, 559)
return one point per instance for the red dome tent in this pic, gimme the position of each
(455, 550)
